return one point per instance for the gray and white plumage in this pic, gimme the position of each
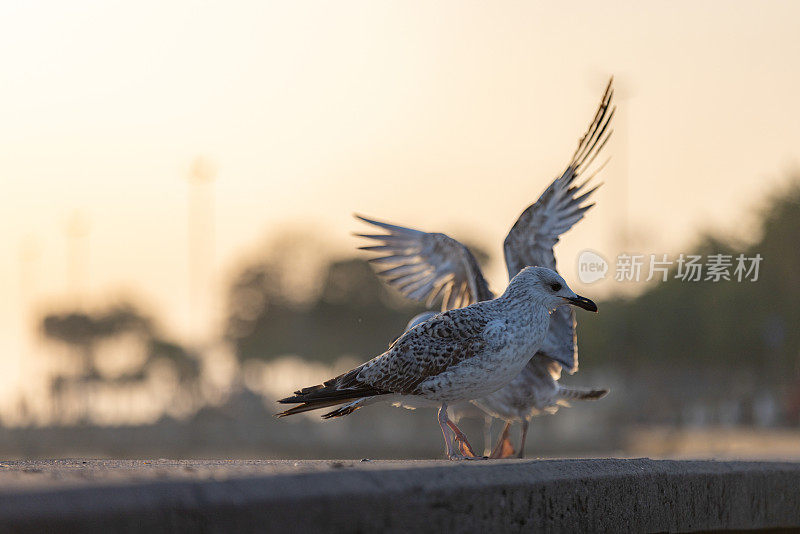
(535, 391)
(437, 257)
(455, 356)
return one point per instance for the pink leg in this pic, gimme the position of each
(521, 453)
(503, 449)
(456, 444)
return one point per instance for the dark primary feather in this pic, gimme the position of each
(425, 266)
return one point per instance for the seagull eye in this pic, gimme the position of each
(555, 286)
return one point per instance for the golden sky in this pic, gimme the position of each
(446, 115)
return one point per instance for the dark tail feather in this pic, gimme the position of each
(340, 390)
(313, 405)
(583, 393)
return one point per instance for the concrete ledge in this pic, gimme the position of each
(402, 496)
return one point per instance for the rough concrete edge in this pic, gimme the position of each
(597, 495)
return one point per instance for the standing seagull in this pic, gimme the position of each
(456, 356)
(424, 266)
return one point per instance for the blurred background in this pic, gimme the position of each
(178, 181)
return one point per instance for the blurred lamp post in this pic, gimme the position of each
(77, 230)
(201, 242)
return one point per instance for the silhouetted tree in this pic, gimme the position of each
(354, 313)
(83, 331)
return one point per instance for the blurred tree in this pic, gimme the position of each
(82, 333)
(353, 314)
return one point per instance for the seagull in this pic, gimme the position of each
(424, 266)
(455, 356)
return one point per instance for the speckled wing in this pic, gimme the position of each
(424, 266)
(425, 351)
(538, 229)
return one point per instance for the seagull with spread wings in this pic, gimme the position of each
(425, 266)
(456, 356)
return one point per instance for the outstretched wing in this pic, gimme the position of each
(537, 230)
(424, 266)
(533, 236)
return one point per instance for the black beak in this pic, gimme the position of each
(583, 302)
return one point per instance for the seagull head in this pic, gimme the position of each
(547, 287)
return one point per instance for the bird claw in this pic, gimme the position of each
(465, 451)
(461, 443)
(463, 454)
(458, 448)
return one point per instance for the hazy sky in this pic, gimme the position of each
(442, 115)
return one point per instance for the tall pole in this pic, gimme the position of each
(200, 242)
(29, 253)
(77, 230)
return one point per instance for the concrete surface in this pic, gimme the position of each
(396, 496)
